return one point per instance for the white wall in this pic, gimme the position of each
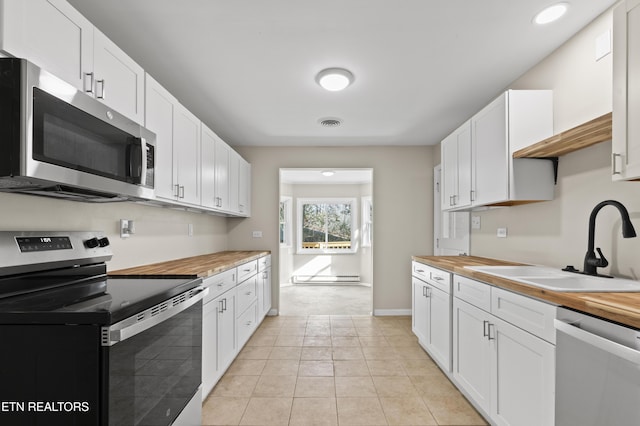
(555, 233)
(402, 181)
(161, 234)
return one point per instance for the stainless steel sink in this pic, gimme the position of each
(558, 280)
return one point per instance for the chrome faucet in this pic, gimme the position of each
(591, 261)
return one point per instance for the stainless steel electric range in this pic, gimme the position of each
(80, 348)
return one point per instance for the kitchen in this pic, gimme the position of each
(550, 233)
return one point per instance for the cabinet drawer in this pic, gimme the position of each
(246, 324)
(472, 291)
(436, 277)
(247, 294)
(264, 263)
(529, 314)
(246, 270)
(219, 283)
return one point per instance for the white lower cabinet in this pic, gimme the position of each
(507, 372)
(264, 286)
(231, 313)
(431, 307)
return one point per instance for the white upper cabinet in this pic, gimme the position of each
(57, 38)
(207, 166)
(516, 119)
(159, 106)
(53, 35)
(186, 152)
(221, 185)
(234, 181)
(456, 167)
(244, 190)
(119, 80)
(626, 91)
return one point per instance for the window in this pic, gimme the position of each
(285, 221)
(367, 221)
(325, 225)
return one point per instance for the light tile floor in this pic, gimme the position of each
(335, 370)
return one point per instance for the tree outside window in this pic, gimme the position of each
(326, 225)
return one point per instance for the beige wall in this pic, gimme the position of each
(555, 233)
(402, 181)
(161, 233)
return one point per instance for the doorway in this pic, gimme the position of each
(326, 241)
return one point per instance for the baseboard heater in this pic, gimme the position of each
(326, 279)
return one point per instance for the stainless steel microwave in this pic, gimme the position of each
(57, 141)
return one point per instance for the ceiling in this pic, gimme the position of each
(247, 68)
(315, 176)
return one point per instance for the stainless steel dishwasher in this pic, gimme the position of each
(597, 371)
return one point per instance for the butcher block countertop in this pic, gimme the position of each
(620, 307)
(201, 266)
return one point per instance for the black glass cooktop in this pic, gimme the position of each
(99, 300)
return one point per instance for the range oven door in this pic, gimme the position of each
(154, 363)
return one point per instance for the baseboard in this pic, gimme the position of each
(391, 312)
(272, 313)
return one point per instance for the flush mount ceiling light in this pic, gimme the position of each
(551, 13)
(327, 173)
(334, 79)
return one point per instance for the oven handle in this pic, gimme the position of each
(131, 326)
(599, 342)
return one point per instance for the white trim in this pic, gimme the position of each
(288, 222)
(391, 312)
(366, 206)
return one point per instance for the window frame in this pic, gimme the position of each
(367, 221)
(353, 201)
(287, 201)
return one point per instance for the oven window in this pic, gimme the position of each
(69, 137)
(154, 374)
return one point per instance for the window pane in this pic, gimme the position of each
(282, 211)
(339, 223)
(313, 225)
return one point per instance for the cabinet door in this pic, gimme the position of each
(420, 311)
(440, 327)
(244, 190)
(51, 34)
(626, 91)
(207, 167)
(234, 181)
(119, 81)
(186, 148)
(264, 293)
(490, 178)
(210, 372)
(222, 175)
(159, 119)
(456, 164)
(471, 352)
(523, 378)
(227, 331)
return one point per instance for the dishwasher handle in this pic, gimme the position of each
(609, 346)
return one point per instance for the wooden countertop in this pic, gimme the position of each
(620, 307)
(197, 266)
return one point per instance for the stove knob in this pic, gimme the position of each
(104, 241)
(92, 243)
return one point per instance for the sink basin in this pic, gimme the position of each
(558, 280)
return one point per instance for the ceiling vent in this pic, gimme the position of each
(330, 122)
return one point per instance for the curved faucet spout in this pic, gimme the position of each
(591, 261)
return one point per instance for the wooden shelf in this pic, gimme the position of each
(587, 134)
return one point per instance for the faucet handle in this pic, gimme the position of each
(602, 262)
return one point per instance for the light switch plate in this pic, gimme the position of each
(502, 233)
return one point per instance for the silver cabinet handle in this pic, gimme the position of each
(489, 332)
(177, 192)
(437, 278)
(424, 291)
(614, 171)
(472, 195)
(485, 333)
(88, 88)
(181, 191)
(100, 93)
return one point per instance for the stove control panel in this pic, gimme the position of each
(31, 244)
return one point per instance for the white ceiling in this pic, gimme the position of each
(247, 67)
(314, 176)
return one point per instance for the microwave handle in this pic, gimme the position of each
(138, 161)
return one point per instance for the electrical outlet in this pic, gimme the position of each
(257, 234)
(502, 233)
(126, 228)
(475, 222)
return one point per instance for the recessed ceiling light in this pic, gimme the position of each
(551, 13)
(334, 79)
(327, 173)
